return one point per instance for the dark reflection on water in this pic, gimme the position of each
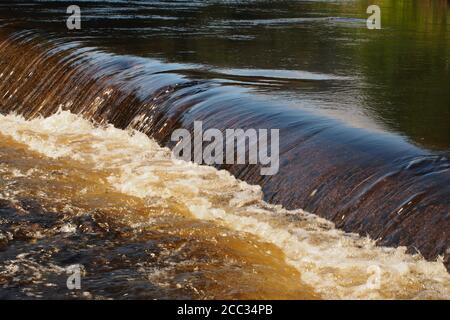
(55, 213)
(372, 183)
(394, 79)
(229, 62)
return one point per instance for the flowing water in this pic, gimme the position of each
(87, 178)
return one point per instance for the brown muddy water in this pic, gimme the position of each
(359, 208)
(59, 213)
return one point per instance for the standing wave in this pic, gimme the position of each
(365, 182)
(334, 263)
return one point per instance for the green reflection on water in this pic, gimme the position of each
(406, 70)
(400, 74)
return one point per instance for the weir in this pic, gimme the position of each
(367, 182)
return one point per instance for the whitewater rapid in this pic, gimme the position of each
(334, 263)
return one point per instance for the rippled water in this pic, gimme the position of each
(363, 119)
(127, 216)
(395, 79)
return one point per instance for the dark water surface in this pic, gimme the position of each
(364, 142)
(395, 79)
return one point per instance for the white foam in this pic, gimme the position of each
(334, 263)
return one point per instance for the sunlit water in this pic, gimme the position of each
(128, 217)
(364, 119)
(394, 79)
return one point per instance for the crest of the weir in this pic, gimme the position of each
(371, 183)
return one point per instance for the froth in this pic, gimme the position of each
(334, 263)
